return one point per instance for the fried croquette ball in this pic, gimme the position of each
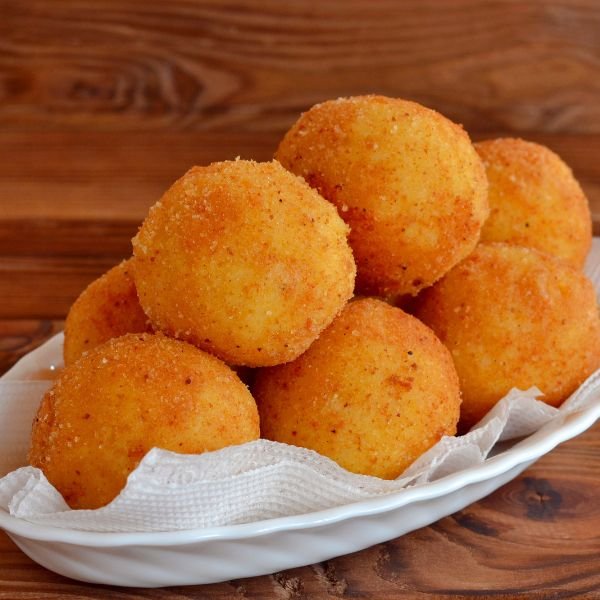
(514, 317)
(107, 308)
(245, 261)
(375, 391)
(406, 179)
(133, 393)
(534, 200)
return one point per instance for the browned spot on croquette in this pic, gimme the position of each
(400, 382)
(136, 452)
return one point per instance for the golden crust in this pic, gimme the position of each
(244, 260)
(514, 317)
(133, 393)
(375, 391)
(107, 308)
(535, 201)
(406, 179)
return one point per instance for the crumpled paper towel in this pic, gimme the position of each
(241, 484)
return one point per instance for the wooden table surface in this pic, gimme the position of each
(104, 103)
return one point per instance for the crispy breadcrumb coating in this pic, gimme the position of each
(245, 261)
(535, 201)
(133, 393)
(375, 391)
(514, 317)
(107, 308)
(406, 179)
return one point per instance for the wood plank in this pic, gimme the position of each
(69, 187)
(66, 237)
(45, 288)
(106, 176)
(21, 336)
(254, 65)
(536, 537)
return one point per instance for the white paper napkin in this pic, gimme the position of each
(240, 484)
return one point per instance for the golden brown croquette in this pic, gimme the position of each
(245, 261)
(375, 391)
(514, 317)
(107, 308)
(534, 200)
(115, 403)
(406, 179)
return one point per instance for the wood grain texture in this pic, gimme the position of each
(255, 64)
(104, 103)
(537, 537)
(17, 338)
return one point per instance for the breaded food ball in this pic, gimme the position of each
(107, 308)
(534, 200)
(406, 179)
(514, 317)
(375, 391)
(245, 261)
(133, 393)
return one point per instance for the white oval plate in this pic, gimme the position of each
(221, 553)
